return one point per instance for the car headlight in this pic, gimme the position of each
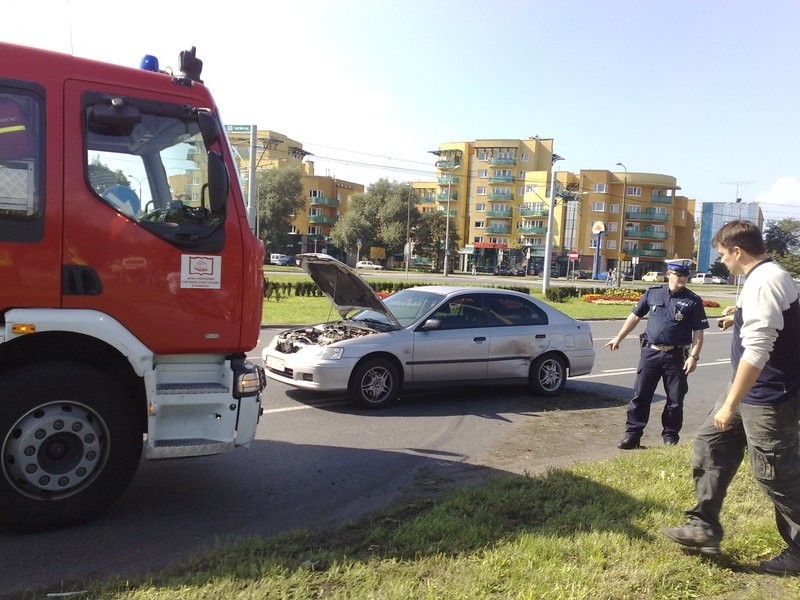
(330, 353)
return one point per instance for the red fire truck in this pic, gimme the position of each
(130, 282)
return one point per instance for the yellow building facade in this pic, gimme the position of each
(326, 197)
(497, 192)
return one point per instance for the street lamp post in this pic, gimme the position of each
(548, 241)
(139, 181)
(621, 222)
(447, 219)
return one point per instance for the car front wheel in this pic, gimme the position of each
(548, 375)
(374, 383)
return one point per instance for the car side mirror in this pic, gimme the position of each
(431, 324)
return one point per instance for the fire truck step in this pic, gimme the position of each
(191, 388)
(187, 447)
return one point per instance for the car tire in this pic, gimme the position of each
(71, 440)
(548, 375)
(375, 383)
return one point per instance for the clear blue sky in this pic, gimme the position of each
(704, 90)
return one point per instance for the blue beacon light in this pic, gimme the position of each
(149, 63)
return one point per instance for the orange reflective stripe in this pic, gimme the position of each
(12, 128)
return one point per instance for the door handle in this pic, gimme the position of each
(540, 336)
(479, 339)
(80, 280)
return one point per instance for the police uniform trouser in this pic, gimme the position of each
(772, 436)
(654, 366)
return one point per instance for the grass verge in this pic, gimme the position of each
(294, 310)
(590, 531)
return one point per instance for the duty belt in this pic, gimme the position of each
(667, 347)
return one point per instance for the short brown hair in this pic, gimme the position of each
(744, 234)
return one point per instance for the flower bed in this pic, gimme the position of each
(614, 296)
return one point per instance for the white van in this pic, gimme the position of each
(278, 259)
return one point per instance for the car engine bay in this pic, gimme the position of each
(294, 340)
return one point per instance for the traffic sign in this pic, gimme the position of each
(573, 255)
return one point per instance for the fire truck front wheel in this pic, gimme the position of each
(70, 445)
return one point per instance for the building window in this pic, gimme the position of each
(480, 224)
(481, 190)
(315, 211)
(598, 206)
(483, 173)
(614, 209)
(612, 226)
(477, 238)
(314, 230)
(483, 155)
(634, 190)
(522, 174)
(530, 188)
(316, 194)
(601, 188)
(525, 156)
(480, 207)
(594, 240)
(633, 208)
(612, 244)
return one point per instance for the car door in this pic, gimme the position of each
(458, 350)
(519, 332)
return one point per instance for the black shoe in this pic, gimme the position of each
(695, 535)
(786, 563)
(629, 442)
(670, 441)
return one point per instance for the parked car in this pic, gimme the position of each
(501, 270)
(368, 264)
(278, 259)
(426, 336)
(583, 274)
(718, 279)
(655, 276)
(702, 278)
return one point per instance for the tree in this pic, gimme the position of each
(102, 177)
(430, 236)
(378, 217)
(280, 197)
(782, 239)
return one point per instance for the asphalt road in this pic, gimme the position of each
(317, 460)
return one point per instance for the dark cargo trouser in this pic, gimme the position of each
(772, 436)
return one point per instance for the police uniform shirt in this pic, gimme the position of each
(671, 318)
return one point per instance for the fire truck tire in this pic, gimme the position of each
(71, 441)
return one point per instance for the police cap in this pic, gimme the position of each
(679, 268)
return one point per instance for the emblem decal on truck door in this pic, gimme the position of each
(201, 271)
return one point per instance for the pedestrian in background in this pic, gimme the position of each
(760, 407)
(670, 349)
(610, 276)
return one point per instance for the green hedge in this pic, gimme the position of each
(309, 288)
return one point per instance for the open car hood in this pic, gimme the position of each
(342, 285)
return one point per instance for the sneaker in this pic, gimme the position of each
(670, 441)
(786, 563)
(629, 442)
(694, 535)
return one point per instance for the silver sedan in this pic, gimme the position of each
(427, 336)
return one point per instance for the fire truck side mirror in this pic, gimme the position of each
(218, 183)
(112, 119)
(209, 128)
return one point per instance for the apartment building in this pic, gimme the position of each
(326, 196)
(497, 193)
(629, 221)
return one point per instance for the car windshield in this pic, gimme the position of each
(408, 306)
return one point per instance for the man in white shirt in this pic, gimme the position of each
(759, 410)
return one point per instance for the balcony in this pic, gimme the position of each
(504, 196)
(661, 199)
(507, 214)
(651, 253)
(502, 162)
(443, 195)
(532, 230)
(530, 212)
(324, 201)
(453, 213)
(448, 180)
(447, 164)
(317, 219)
(645, 234)
(498, 229)
(501, 179)
(646, 216)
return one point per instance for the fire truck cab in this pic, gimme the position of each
(130, 282)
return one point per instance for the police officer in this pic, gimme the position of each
(671, 347)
